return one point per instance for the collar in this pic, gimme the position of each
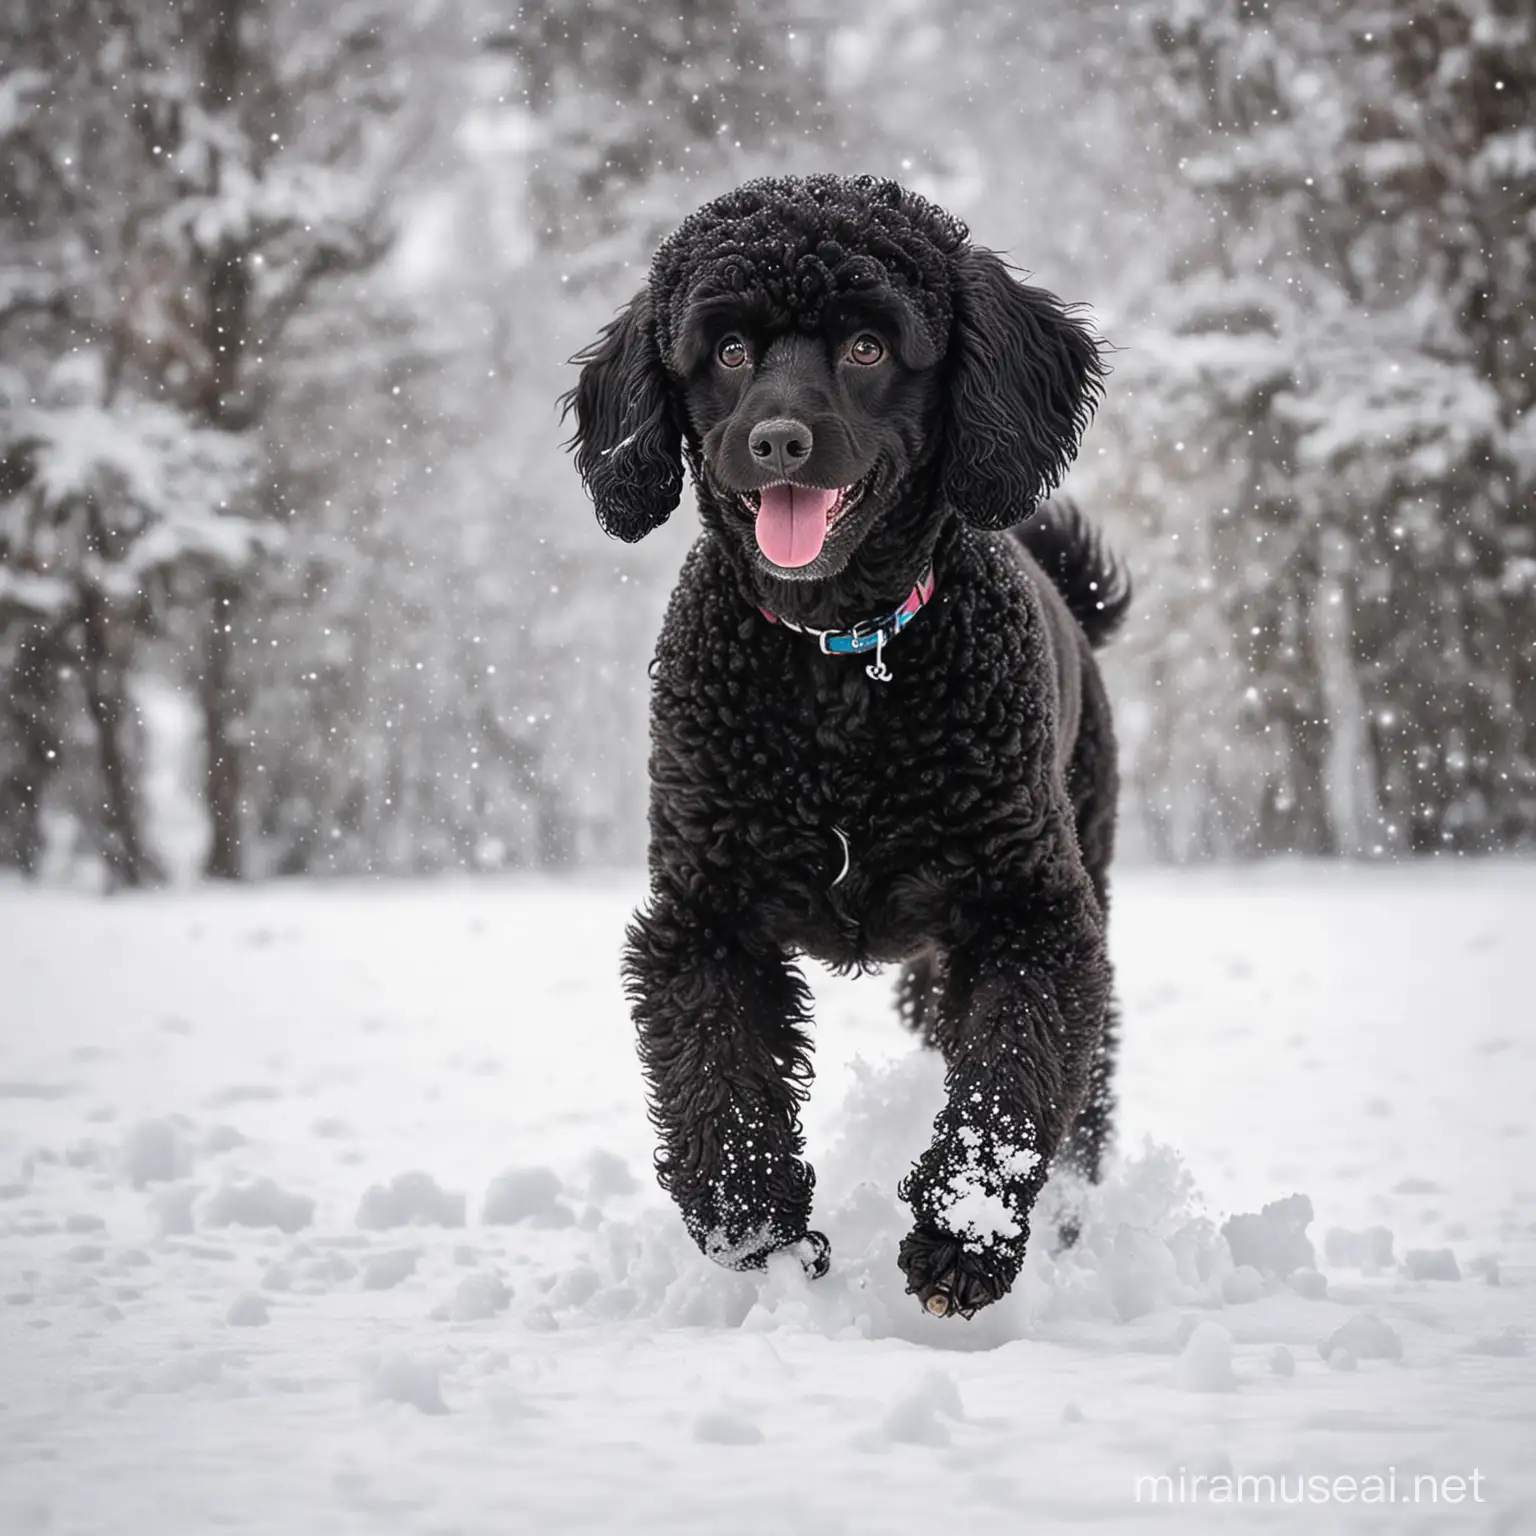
(868, 634)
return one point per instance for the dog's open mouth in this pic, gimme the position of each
(793, 521)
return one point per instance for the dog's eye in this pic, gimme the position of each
(732, 352)
(866, 351)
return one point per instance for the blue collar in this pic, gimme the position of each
(870, 634)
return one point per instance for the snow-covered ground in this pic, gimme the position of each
(328, 1209)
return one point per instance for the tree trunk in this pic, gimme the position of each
(1349, 780)
(29, 701)
(221, 780)
(106, 698)
(226, 324)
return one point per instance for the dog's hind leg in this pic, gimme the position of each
(720, 1019)
(1093, 785)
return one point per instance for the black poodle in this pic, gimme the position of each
(878, 732)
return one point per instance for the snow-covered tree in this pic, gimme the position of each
(1343, 368)
(178, 179)
(449, 672)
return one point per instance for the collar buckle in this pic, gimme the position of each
(868, 634)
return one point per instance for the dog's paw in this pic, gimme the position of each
(949, 1278)
(753, 1252)
(815, 1254)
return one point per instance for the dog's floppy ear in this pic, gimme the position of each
(1024, 377)
(628, 441)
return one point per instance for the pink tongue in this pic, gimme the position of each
(792, 522)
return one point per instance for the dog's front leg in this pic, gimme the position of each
(720, 1019)
(1021, 1015)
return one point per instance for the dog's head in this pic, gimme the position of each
(810, 346)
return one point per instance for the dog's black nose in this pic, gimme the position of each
(780, 445)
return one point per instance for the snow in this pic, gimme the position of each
(966, 1205)
(1205, 1363)
(1431, 1264)
(721, 1427)
(248, 1310)
(153, 1152)
(526, 1194)
(410, 1198)
(1371, 1249)
(918, 1416)
(173, 482)
(1364, 1337)
(384, 1271)
(259, 1203)
(399, 1378)
(478, 1297)
(1275, 1241)
(208, 1092)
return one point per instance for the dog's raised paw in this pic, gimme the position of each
(955, 1295)
(948, 1279)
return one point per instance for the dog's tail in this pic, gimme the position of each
(1072, 552)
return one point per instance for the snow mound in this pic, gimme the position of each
(1275, 1241)
(154, 1152)
(1370, 1249)
(723, 1427)
(409, 1199)
(172, 1209)
(527, 1194)
(407, 1379)
(384, 1271)
(1308, 1283)
(916, 1418)
(1431, 1264)
(1364, 1337)
(1205, 1363)
(259, 1203)
(308, 1272)
(1508, 1343)
(184, 1372)
(247, 1310)
(608, 1175)
(479, 1297)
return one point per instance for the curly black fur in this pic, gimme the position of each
(974, 791)
(1072, 552)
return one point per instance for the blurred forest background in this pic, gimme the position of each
(295, 578)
